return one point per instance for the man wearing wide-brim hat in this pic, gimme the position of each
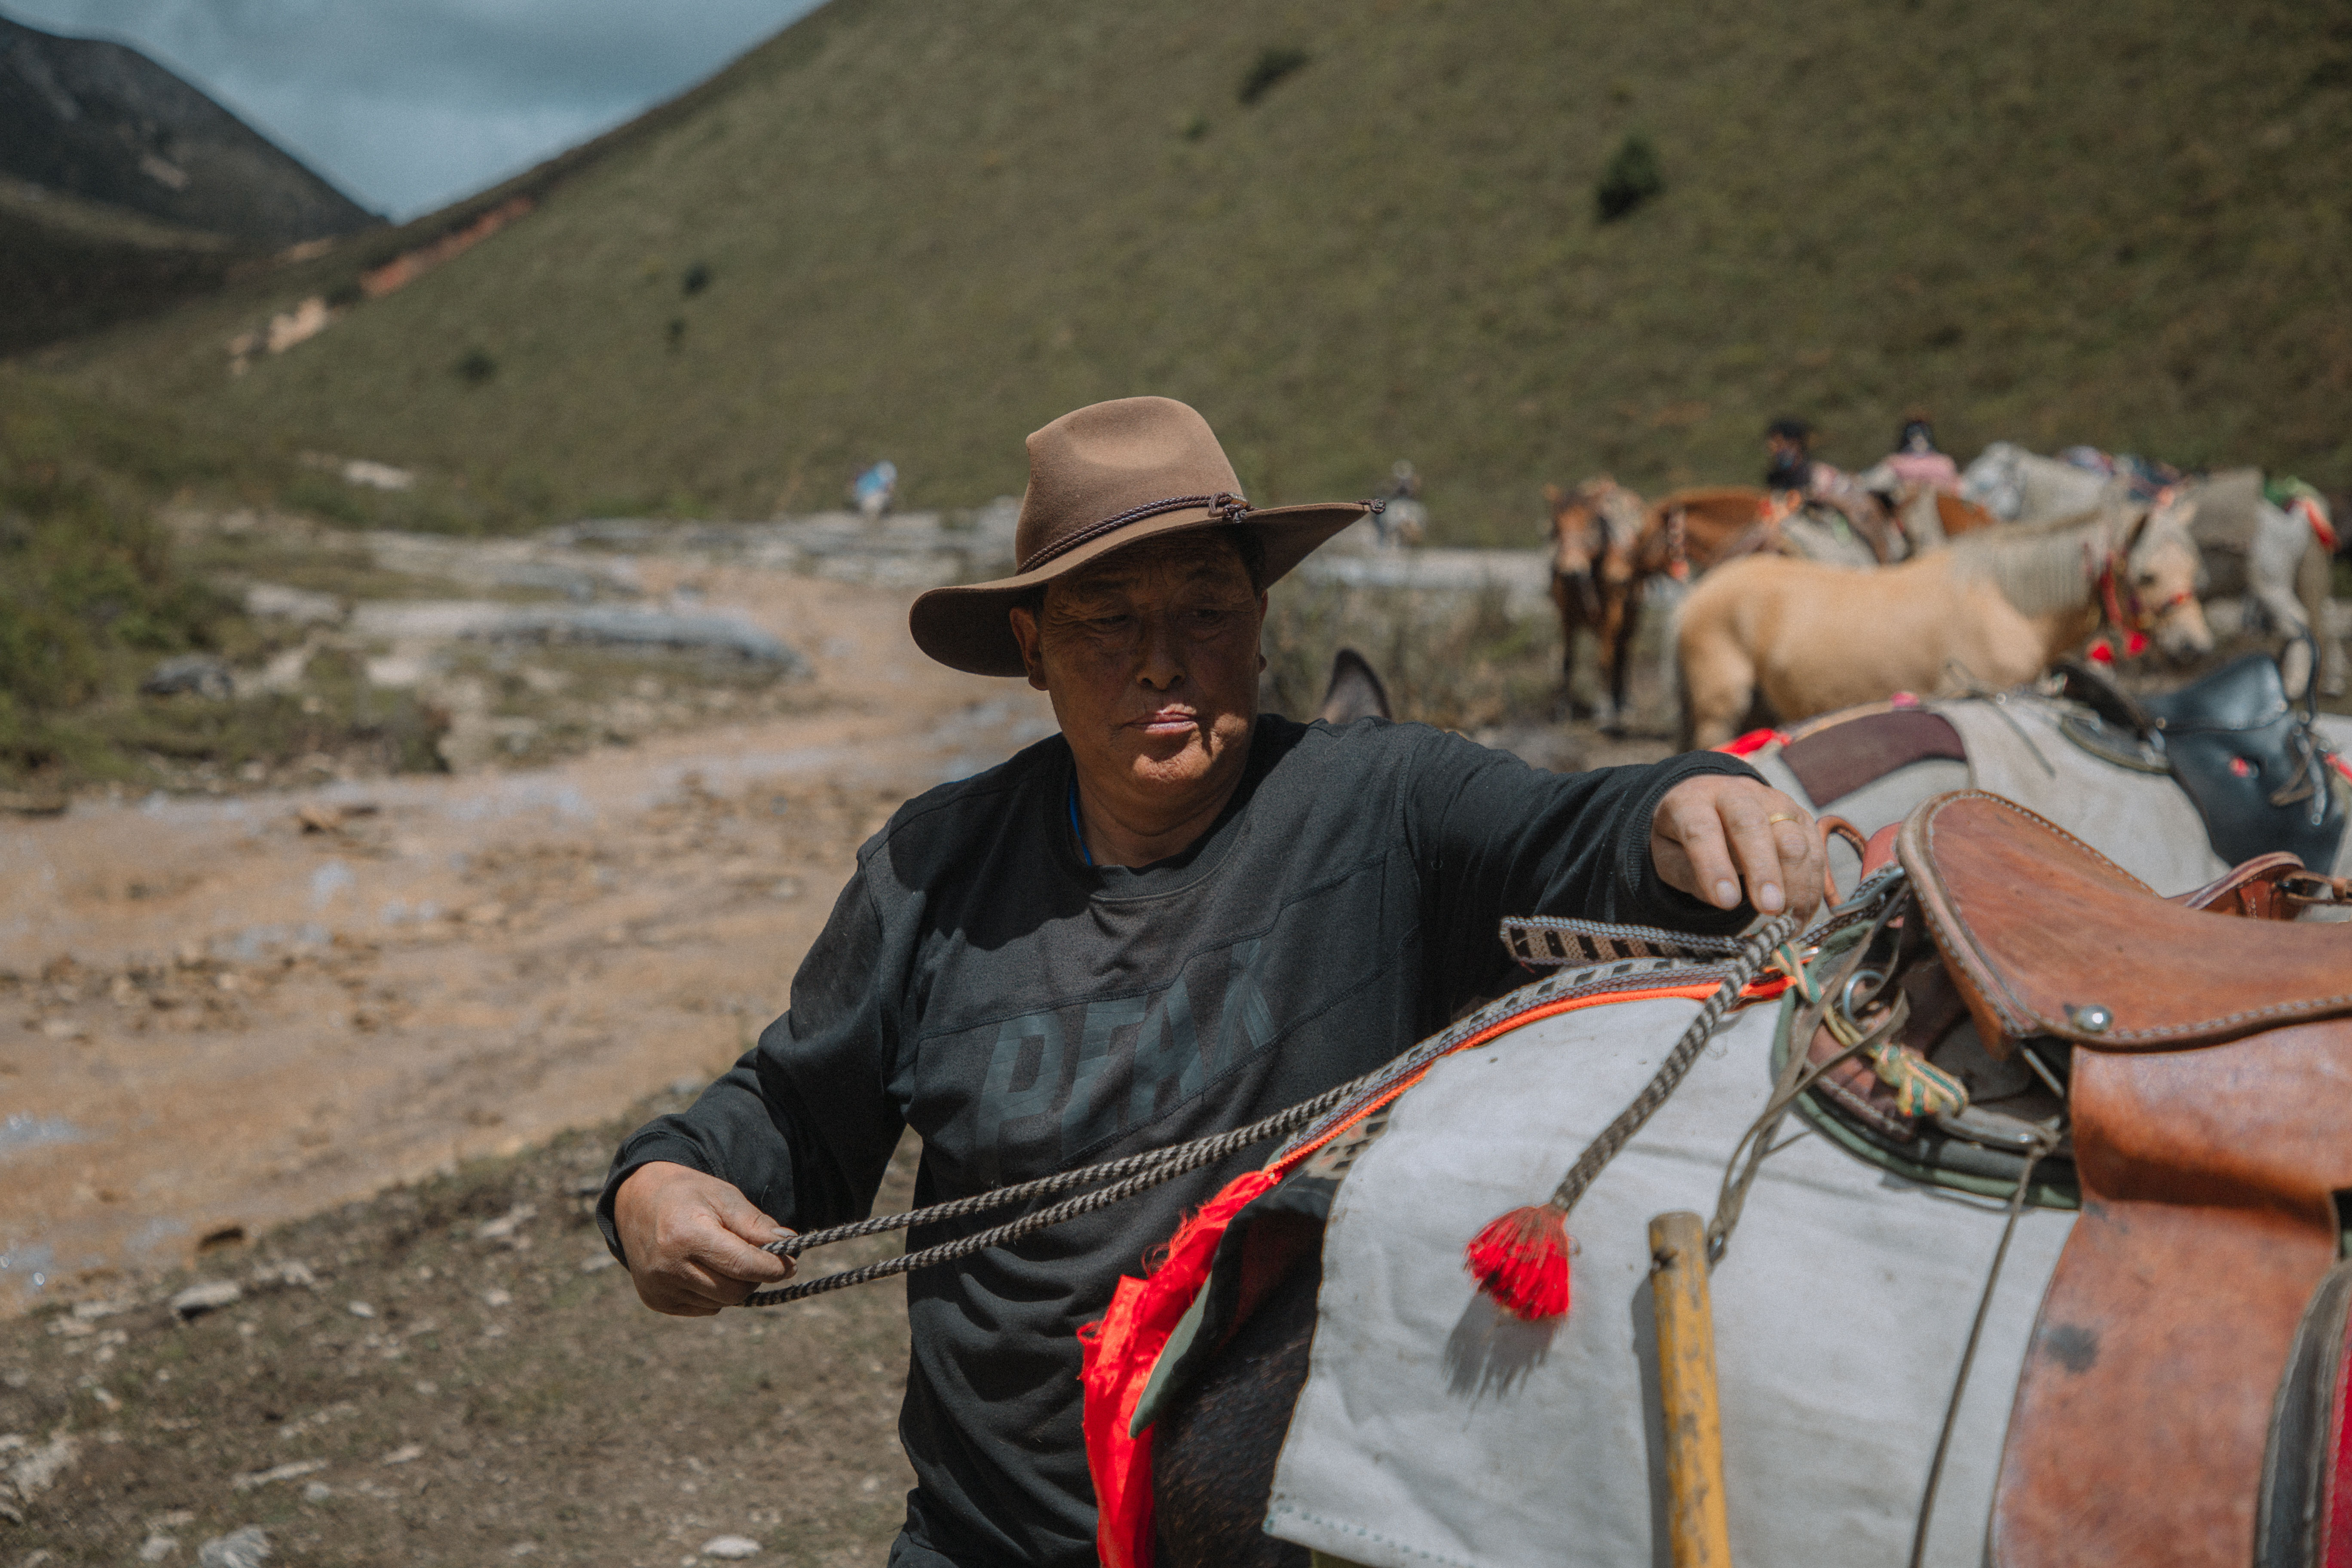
(1174, 918)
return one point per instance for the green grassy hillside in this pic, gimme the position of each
(917, 228)
(69, 266)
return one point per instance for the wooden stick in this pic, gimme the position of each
(1698, 1529)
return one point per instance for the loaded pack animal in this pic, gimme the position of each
(1687, 532)
(2277, 556)
(1996, 608)
(2027, 1189)
(2175, 788)
(1594, 532)
(2279, 563)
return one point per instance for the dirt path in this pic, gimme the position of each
(218, 1015)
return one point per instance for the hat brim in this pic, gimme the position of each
(966, 628)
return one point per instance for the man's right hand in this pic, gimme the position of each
(693, 1241)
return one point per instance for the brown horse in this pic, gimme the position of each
(1685, 532)
(1689, 531)
(1996, 608)
(1593, 531)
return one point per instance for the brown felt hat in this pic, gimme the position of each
(1103, 478)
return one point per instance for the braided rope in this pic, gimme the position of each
(1753, 953)
(1139, 1173)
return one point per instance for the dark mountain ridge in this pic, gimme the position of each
(103, 121)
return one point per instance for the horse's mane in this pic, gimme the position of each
(2038, 567)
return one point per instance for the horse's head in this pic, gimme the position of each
(1579, 540)
(2154, 584)
(1622, 518)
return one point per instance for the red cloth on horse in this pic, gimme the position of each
(1120, 1351)
(2335, 1538)
(1753, 741)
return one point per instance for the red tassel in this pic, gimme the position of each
(2102, 652)
(2136, 645)
(1521, 1260)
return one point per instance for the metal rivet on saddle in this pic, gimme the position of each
(2090, 1018)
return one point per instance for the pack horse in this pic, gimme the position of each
(2028, 1195)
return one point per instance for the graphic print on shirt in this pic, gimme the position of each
(1064, 1080)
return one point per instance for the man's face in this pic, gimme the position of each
(1150, 656)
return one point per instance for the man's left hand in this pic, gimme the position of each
(1713, 833)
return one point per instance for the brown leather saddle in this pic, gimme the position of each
(2207, 1079)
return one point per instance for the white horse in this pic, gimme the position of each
(2249, 547)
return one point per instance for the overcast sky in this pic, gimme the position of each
(409, 104)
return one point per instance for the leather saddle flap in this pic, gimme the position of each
(2046, 936)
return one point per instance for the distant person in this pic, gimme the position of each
(1790, 466)
(1174, 918)
(1810, 491)
(1916, 459)
(1789, 456)
(875, 488)
(1403, 521)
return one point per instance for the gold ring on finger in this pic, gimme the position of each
(1780, 816)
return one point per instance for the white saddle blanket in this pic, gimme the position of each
(1435, 1430)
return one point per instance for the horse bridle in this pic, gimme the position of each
(2120, 604)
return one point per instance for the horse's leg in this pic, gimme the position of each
(1628, 615)
(2314, 575)
(1571, 621)
(1213, 1452)
(2289, 620)
(1718, 678)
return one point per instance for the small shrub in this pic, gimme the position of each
(1271, 66)
(697, 279)
(1194, 128)
(1631, 178)
(90, 594)
(475, 367)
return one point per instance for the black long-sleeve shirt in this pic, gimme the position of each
(1024, 1013)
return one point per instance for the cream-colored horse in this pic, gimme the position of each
(1995, 608)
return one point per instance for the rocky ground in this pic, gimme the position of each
(454, 1372)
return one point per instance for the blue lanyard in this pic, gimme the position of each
(1077, 832)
